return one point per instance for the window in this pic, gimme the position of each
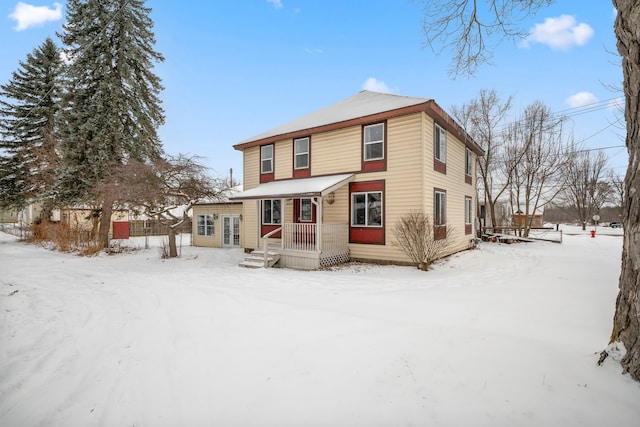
(266, 159)
(366, 209)
(272, 211)
(205, 225)
(440, 144)
(439, 215)
(440, 208)
(301, 153)
(468, 163)
(468, 214)
(374, 142)
(306, 210)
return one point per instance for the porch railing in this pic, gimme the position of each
(303, 237)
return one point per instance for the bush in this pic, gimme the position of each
(61, 236)
(414, 234)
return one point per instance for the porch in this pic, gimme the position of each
(290, 223)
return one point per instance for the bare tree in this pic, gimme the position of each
(617, 187)
(467, 28)
(586, 191)
(414, 234)
(470, 32)
(482, 117)
(166, 189)
(536, 153)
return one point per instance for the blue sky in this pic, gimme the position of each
(234, 69)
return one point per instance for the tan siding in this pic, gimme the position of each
(454, 184)
(214, 241)
(336, 152)
(251, 165)
(338, 212)
(250, 224)
(403, 184)
(283, 159)
(409, 180)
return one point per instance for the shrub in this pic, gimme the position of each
(414, 234)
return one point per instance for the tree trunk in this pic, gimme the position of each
(173, 250)
(105, 222)
(626, 322)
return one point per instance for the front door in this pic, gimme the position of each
(304, 213)
(230, 231)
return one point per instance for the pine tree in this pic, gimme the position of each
(29, 104)
(112, 110)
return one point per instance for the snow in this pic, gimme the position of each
(363, 103)
(315, 186)
(503, 335)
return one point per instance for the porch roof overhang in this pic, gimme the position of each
(318, 186)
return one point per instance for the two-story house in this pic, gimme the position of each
(331, 186)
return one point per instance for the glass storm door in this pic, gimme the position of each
(231, 231)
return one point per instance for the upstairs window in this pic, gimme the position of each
(468, 163)
(468, 167)
(440, 144)
(374, 142)
(301, 153)
(266, 159)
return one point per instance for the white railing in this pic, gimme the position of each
(300, 237)
(303, 237)
(265, 238)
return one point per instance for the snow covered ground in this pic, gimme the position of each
(504, 335)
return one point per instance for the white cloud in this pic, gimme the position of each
(315, 50)
(375, 85)
(276, 3)
(28, 16)
(562, 32)
(581, 99)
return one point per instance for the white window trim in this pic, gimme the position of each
(296, 154)
(366, 209)
(379, 141)
(205, 224)
(263, 158)
(468, 210)
(440, 144)
(281, 213)
(310, 210)
(468, 165)
(443, 208)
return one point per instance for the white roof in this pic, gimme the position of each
(362, 104)
(295, 188)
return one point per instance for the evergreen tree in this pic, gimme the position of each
(29, 104)
(112, 109)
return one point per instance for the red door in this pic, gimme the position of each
(120, 229)
(304, 213)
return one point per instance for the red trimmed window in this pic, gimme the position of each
(468, 214)
(301, 157)
(439, 214)
(468, 166)
(266, 163)
(374, 147)
(439, 149)
(367, 212)
(271, 216)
